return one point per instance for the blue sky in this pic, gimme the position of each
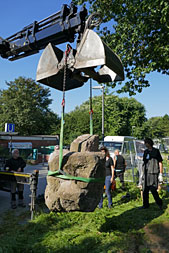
(14, 15)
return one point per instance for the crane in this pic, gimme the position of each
(91, 58)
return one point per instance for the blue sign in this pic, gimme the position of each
(9, 128)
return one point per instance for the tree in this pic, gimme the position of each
(26, 104)
(139, 35)
(165, 125)
(158, 127)
(120, 115)
(76, 123)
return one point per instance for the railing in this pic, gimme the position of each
(132, 175)
(22, 178)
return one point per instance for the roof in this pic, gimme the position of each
(118, 138)
(14, 136)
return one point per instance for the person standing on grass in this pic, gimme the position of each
(16, 164)
(120, 166)
(109, 167)
(152, 173)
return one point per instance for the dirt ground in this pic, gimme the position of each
(157, 237)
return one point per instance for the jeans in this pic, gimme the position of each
(108, 192)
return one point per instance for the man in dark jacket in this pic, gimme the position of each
(16, 163)
(152, 173)
(120, 165)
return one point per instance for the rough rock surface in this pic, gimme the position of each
(72, 195)
(84, 143)
(54, 159)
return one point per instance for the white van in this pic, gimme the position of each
(126, 146)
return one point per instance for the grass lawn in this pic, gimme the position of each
(124, 228)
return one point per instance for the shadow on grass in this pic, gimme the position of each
(65, 232)
(52, 233)
(94, 245)
(133, 219)
(29, 237)
(42, 237)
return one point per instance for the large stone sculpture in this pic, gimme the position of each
(75, 195)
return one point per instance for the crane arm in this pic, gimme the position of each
(58, 28)
(92, 58)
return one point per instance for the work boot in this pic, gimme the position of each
(13, 204)
(21, 203)
(123, 187)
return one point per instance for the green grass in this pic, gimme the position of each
(120, 229)
(166, 164)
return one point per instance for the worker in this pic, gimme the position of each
(152, 173)
(120, 166)
(109, 169)
(16, 164)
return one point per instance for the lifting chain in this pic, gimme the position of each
(68, 49)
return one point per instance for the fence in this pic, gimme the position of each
(132, 174)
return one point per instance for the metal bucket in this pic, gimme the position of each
(50, 70)
(93, 59)
(93, 52)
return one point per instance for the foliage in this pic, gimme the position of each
(138, 31)
(120, 229)
(158, 127)
(120, 114)
(76, 123)
(26, 104)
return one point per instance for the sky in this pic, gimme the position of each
(14, 15)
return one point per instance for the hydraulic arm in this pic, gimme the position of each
(58, 28)
(92, 58)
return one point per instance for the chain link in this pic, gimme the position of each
(68, 48)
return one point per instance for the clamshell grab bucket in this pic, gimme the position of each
(93, 59)
(93, 52)
(50, 71)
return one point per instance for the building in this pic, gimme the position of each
(27, 144)
(12, 140)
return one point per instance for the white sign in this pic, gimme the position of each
(20, 145)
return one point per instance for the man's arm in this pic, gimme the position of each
(160, 177)
(114, 161)
(161, 167)
(112, 170)
(160, 162)
(22, 165)
(8, 164)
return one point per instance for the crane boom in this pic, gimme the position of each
(92, 58)
(58, 28)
